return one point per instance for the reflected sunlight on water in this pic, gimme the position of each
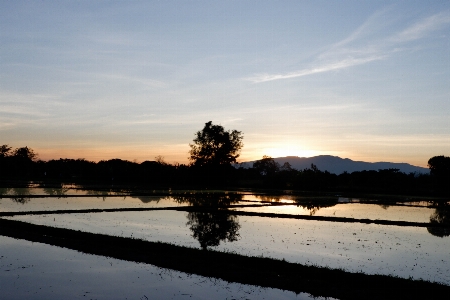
(213, 221)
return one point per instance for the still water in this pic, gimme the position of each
(372, 249)
(38, 271)
(213, 222)
(352, 210)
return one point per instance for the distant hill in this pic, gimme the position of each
(337, 165)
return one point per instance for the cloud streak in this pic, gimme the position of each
(422, 28)
(342, 64)
(341, 55)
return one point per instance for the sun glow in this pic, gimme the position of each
(283, 152)
(288, 151)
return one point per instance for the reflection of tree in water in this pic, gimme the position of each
(97, 193)
(384, 206)
(21, 200)
(211, 224)
(102, 193)
(148, 199)
(210, 228)
(4, 191)
(277, 198)
(55, 191)
(18, 195)
(440, 216)
(208, 200)
(315, 205)
(266, 198)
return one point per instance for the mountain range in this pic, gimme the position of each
(338, 165)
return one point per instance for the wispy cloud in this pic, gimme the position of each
(422, 28)
(353, 50)
(371, 25)
(345, 63)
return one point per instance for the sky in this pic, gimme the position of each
(365, 80)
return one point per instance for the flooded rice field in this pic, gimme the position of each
(372, 249)
(38, 271)
(352, 210)
(329, 232)
(78, 203)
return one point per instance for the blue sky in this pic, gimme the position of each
(366, 80)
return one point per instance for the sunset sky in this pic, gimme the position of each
(365, 80)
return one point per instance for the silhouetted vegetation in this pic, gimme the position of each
(440, 173)
(212, 154)
(440, 216)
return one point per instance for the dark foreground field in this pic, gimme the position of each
(231, 267)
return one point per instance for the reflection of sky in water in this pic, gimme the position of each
(281, 199)
(344, 210)
(52, 191)
(38, 271)
(354, 210)
(68, 203)
(71, 203)
(372, 249)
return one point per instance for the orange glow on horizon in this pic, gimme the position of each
(179, 154)
(176, 155)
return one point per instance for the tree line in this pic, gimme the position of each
(213, 164)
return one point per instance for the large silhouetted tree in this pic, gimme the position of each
(439, 165)
(214, 146)
(440, 172)
(25, 153)
(17, 163)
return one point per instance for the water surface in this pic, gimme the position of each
(372, 249)
(38, 271)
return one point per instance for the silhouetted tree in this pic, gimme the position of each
(266, 166)
(439, 165)
(215, 146)
(4, 151)
(286, 167)
(160, 160)
(440, 173)
(272, 175)
(314, 179)
(5, 160)
(25, 153)
(21, 162)
(212, 153)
